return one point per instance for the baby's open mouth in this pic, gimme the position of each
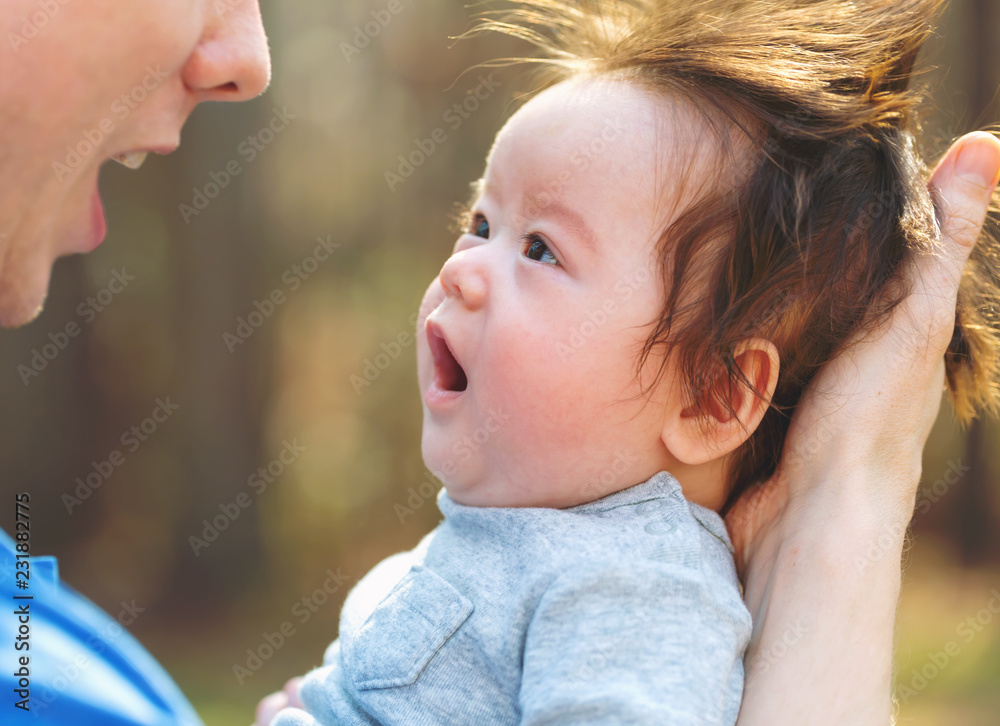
(448, 373)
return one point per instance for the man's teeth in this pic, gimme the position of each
(132, 160)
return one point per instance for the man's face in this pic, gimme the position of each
(85, 82)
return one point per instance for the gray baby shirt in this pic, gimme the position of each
(625, 610)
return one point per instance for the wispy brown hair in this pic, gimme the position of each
(834, 194)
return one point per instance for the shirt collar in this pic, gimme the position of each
(657, 486)
(660, 485)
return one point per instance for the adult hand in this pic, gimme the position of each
(823, 606)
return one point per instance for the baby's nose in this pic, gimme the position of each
(464, 277)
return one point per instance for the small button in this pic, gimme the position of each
(661, 526)
(650, 506)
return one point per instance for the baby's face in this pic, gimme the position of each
(529, 336)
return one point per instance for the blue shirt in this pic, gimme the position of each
(625, 610)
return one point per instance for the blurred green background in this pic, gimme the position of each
(331, 506)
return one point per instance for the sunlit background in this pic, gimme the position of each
(316, 388)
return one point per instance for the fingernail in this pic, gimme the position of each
(979, 162)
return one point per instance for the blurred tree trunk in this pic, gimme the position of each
(221, 269)
(974, 521)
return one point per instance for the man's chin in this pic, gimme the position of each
(22, 301)
(19, 315)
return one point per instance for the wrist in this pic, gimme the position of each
(847, 537)
(859, 500)
(847, 544)
(825, 602)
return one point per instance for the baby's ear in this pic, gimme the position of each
(697, 434)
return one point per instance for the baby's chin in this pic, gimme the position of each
(491, 493)
(463, 484)
(481, 489)
(481, 494)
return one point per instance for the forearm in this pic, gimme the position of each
(824, 611)
(821, 552)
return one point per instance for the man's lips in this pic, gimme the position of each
(133, 158)
(449, 376)
(98, 224)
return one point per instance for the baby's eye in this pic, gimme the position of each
(479, 226)
(536, 249)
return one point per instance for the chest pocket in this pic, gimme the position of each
(405, 631)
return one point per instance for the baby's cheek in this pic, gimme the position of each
(551, 407)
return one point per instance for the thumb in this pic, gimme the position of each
(268, 708)
(963, 183)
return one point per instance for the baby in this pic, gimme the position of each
(665, 246)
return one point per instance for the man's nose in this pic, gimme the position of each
(232, 61)
(464, 277)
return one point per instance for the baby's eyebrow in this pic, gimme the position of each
(555, 209)
(573, 221)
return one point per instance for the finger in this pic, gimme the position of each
(269, 707)
(292, 692)
(964, 181)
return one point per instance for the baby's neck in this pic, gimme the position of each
(703, 484)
